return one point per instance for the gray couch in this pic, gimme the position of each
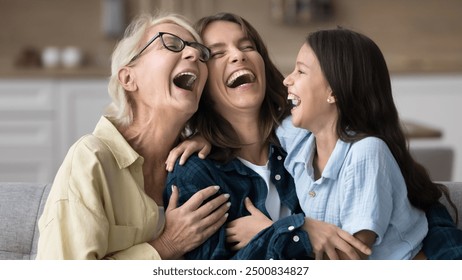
(22, 203)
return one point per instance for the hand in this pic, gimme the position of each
(242, 230)
(188, 226)
(185, 149)
(333, 241)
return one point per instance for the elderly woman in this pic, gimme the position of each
(106, 199)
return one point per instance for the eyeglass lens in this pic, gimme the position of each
(176, 44)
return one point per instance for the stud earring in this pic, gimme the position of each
(329, 100)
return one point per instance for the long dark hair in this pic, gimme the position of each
(357, 72)
(214, 127)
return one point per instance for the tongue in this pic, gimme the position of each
(184, 82)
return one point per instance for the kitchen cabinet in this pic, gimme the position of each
(40, 119)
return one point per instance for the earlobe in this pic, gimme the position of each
(126, 79)
(331, 98)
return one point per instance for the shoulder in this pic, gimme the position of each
(194, 170)
(290, 136)
(194, 164)
(371, 154)
(370, 147)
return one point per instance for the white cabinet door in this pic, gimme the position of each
(82, 103)
(27, 130)
(40, 119)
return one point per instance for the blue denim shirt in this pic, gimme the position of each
(283, 240)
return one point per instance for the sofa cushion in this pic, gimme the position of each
(455, 190)
(20, 207)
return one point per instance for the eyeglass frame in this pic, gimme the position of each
(185, 43)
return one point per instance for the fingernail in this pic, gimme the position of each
(226, 195)
(228, 204)
(217, 187)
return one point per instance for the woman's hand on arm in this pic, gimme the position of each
(188, 226)
(185, 149)
(330, 240)
(242, 230)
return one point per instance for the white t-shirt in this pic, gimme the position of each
(273, 203)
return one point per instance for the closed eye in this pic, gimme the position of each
(248, 48)
(217, 54)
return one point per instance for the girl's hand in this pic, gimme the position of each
(188, 226)
(333, 242)
(242, 230)
(185, 149)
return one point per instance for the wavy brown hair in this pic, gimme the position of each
(216, 129)
(357, 72)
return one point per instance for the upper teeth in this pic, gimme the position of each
(237, 74)
(294, 99)
(192, 77)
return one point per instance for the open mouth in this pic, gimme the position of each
(185, 80)
(239, 78)
(293, 100)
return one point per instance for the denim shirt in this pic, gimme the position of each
(285, 239)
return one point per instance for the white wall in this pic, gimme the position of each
(434, 100)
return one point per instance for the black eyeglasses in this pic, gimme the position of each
(176, 44)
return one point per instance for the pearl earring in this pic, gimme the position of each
(329, 100)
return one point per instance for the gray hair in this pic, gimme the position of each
(120, 111)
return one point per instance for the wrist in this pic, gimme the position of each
(165, 248)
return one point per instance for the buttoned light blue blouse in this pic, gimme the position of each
(361, 188)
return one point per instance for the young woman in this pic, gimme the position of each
(106, 199)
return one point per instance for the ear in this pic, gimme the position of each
(127, 79)
(331, 97)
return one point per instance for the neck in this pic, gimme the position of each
(153, 140)
(325, 145)
(255, 148)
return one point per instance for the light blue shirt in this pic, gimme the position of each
(361, 188)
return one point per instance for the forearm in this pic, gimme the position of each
(285, 239)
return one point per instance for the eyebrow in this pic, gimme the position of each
(299, 63)
(221, 44)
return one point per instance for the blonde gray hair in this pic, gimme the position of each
(120, 111)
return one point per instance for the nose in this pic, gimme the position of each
(237, 55)
(190, 53)
(288, 80)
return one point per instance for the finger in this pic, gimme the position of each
(214, 216)
(173, 156)
(212, 205)
(232, 239)
(319, 255)
(332, 254)
(348, 253)
(356, 243)
(230, 230)
(237, 247)
(191, 149)
(205, 151)
(173, 201)
(210, 230)
(198, 198)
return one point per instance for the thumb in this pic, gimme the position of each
(173, 201)
(250, 207)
